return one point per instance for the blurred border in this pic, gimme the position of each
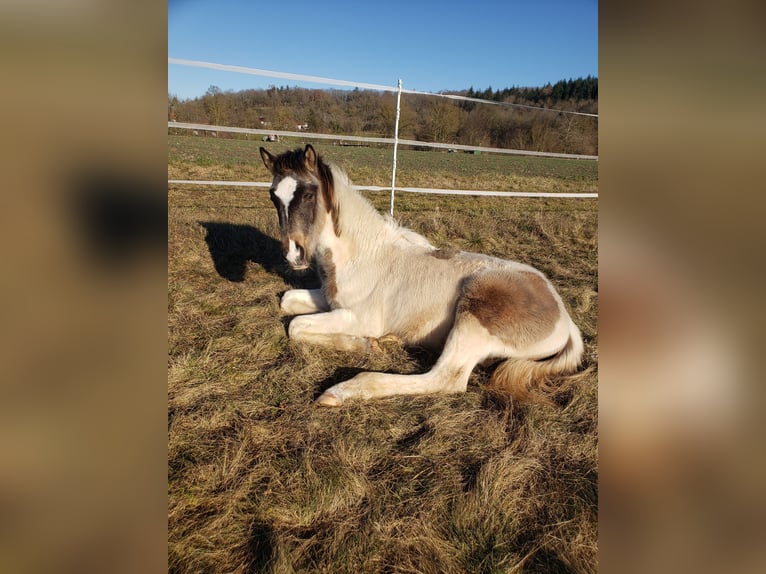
(83, 420)
(681, 141)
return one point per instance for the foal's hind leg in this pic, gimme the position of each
(468, 344)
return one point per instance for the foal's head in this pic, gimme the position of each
(302, 191)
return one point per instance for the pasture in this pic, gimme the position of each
(261, 480)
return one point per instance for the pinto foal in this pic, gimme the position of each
(380, 279)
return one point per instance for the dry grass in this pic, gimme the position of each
(262, 481)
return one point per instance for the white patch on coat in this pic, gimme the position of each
(293, 253)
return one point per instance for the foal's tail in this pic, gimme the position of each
(527, 380)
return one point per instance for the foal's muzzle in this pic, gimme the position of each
(296, 256)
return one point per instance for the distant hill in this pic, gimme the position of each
(424, 118)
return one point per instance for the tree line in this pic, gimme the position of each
(423, 118)
(574, 90)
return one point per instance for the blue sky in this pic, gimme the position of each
(431, 45)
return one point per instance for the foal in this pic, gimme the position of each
(381, 279)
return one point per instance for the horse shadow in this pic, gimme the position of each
(260, 546)
(232, 246)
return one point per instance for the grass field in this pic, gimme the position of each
(260, 480)
(237, 159)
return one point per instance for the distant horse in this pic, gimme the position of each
(380, 279)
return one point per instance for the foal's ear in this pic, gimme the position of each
(310, 156)
(268, 160)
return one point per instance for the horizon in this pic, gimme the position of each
(343, 89)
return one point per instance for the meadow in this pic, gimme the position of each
(261, 480)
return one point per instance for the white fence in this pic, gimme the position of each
(395, 141)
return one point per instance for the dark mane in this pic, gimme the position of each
(328, 193)
(292, 161)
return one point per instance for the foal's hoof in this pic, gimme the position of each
(376, 344)
(328, 400)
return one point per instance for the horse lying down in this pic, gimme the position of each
(380, 279)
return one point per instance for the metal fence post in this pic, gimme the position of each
(396, 145)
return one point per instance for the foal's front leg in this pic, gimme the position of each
(303, 301)
(338, 329)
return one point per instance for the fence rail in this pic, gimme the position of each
(367, 139)
(397, 188)
(395, 141)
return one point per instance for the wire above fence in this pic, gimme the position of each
(283, 75)
(350, 84)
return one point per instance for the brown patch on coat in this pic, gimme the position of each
(327, 275)
(444, 253)
(517, 307)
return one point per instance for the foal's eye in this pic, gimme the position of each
(309, 195)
